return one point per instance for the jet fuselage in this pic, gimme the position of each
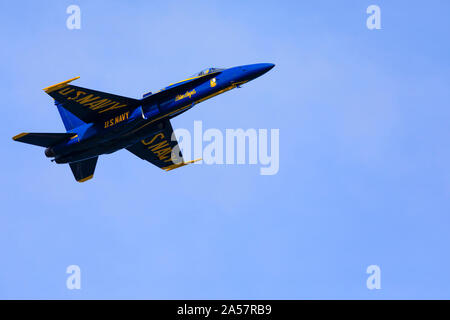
(127, 128)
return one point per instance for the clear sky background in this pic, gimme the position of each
(364, 153)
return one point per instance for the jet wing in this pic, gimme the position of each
(89, 105)
(161, 149)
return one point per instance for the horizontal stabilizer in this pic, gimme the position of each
(43, 139)
(83, 170)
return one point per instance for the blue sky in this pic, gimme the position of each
(364, 153)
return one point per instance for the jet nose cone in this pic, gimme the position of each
(266, 67)
(260, 68)
(253, 71)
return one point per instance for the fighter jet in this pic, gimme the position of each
(100, 123)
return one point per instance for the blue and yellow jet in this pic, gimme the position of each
(101, 123)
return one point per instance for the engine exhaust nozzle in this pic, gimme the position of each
(49, 152)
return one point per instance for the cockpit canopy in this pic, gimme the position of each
(201, 73)
(206, 71)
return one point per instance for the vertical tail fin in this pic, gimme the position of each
(70, 121)
(83, 170)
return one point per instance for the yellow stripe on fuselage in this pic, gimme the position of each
(192, 78)
(185, 80)
(216, 93)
